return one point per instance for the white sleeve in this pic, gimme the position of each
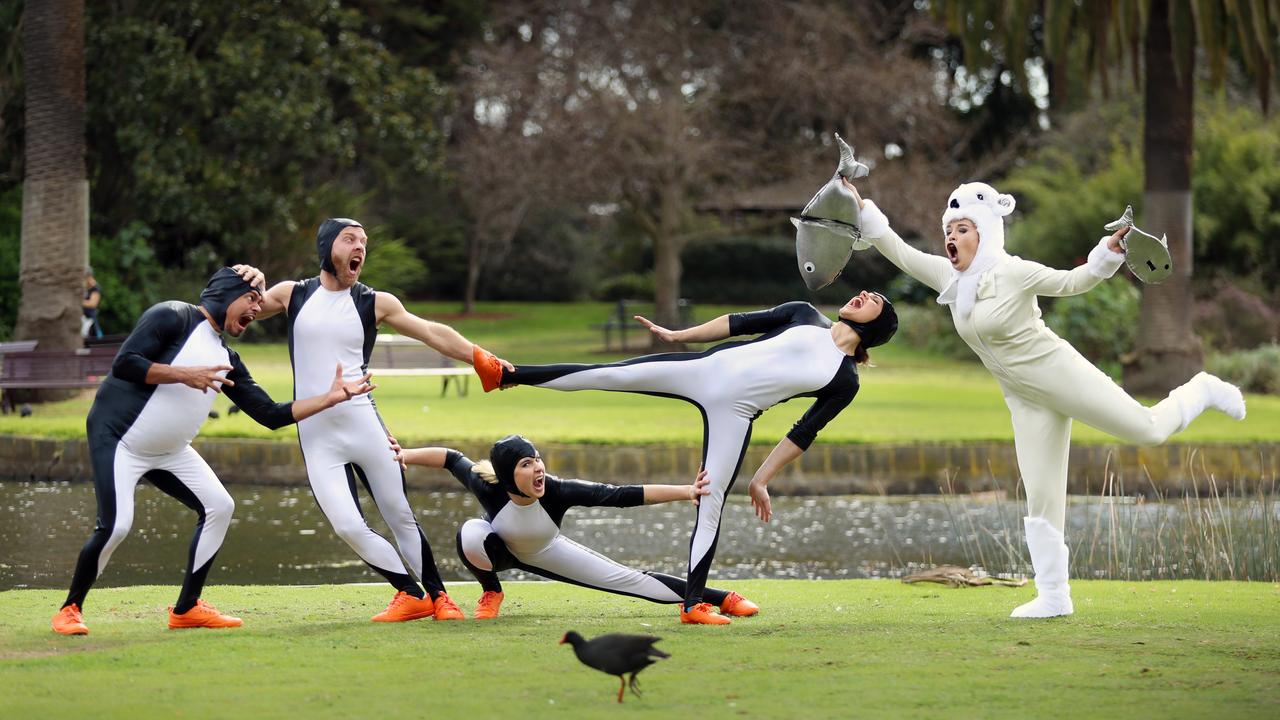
(1102, 261)
(932, 270)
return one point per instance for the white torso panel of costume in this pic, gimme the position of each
(327, 331)
(173, 416)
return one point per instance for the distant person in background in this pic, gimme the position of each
(89, 326)
(147, 412)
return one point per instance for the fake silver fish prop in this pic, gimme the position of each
(1146, 255)
(829, 228)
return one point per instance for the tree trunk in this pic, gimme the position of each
(55, 191)
(1168, 352)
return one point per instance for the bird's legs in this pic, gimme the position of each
(622, 687)
(635, 684)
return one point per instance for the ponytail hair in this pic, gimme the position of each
(484, 471)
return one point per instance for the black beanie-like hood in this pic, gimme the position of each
(504, 455)
(880, 330)
(328, 232)
(224, 288)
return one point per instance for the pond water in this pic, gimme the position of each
(279, 536)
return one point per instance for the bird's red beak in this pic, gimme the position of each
(563, 640)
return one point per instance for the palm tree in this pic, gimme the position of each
(55, 190)
(1162, 38)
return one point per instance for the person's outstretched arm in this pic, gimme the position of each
(782, 454)
(1104, 260)
(932, 270)
(438, 336)
(710, 331)
(654, 494)
(250, 397)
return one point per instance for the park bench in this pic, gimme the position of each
(29, 369)
(622, 322)
(396, 355)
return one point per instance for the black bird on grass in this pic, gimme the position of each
(616, 654)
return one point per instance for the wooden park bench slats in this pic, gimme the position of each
(36, 369)
(396, 355)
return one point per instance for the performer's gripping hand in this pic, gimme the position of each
(856, 195)
(204, 377)
(398, 452)
(665, 335)
(1113, 242)
(251, 275)
(760, 500)
(699, 487)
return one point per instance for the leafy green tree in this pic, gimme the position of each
(237, 126)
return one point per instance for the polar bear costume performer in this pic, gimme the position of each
(1045, 381)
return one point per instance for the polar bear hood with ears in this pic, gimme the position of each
(986, 207)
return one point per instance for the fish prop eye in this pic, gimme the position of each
(808, 267)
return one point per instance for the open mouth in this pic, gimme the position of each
(953, 253)
(244, 320)
(538, 483)
(856, 303)
(354, 264)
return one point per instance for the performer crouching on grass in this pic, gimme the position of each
(160, 390)
(1046, 382)
(524, 507)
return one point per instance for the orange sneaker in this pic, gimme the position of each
(69, 621)
(487, 367)
(487, 608)
(447, 609)
(702, 614)
(202, 615)
(404, 607)
(738, 606)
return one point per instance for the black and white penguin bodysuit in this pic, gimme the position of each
(137, 430)
(527, 537)
(731, 384)
(348, 441)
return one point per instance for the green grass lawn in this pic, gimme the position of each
(819, 649)
(908, 396)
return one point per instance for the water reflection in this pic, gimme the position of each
(279, 536)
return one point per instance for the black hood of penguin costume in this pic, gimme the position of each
(328, 232)
(504, 455)
(224, 288)
(878, 331)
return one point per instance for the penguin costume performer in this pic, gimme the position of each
(798, 353)
(521, 527)
(1046, 383)
(161, 387)
(334, 318)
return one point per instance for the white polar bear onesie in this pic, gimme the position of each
(1045, 381)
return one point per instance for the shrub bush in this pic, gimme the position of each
(1256, 370)
(393, 267)
(1234, 319)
